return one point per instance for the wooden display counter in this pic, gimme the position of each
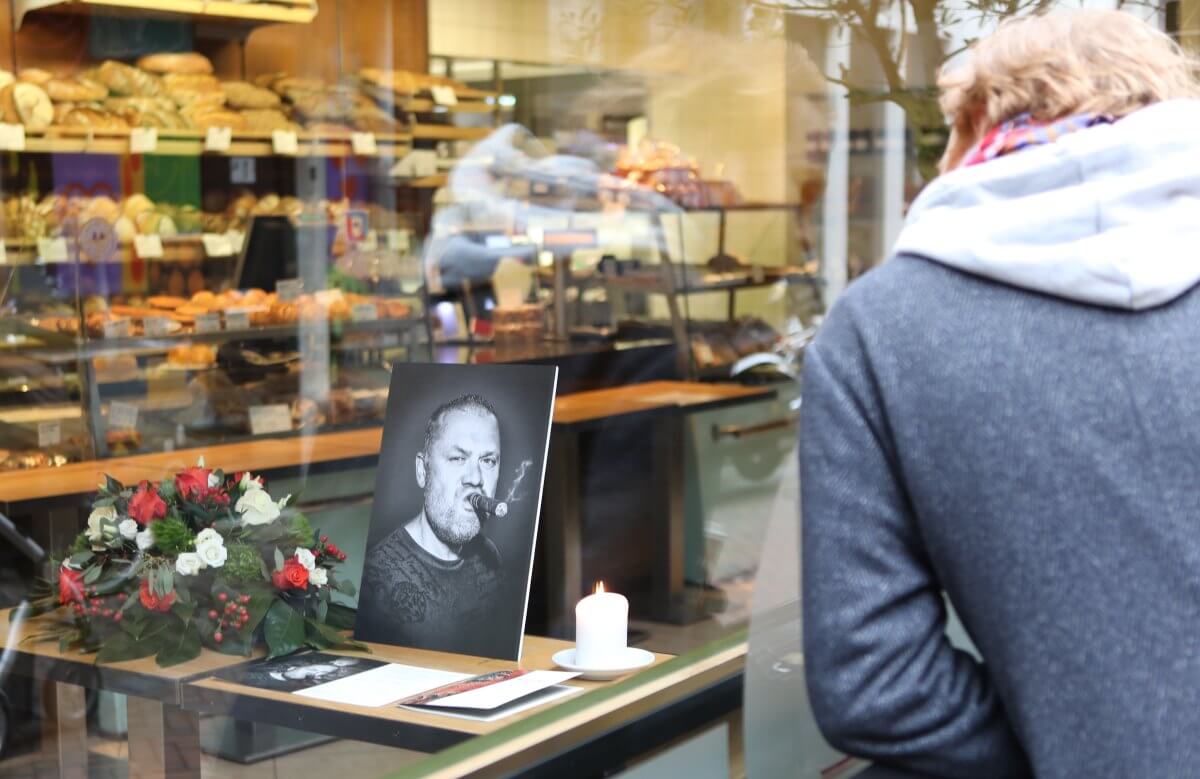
(267, 454)
(165, 703)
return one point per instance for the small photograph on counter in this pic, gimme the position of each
(295, 673)
(457, 497)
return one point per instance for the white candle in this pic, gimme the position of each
(601, 629)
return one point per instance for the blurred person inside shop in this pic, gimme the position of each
(1006, 414)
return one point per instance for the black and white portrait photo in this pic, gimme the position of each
(455, 515)
(297, 672)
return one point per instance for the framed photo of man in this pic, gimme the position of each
(457, 498)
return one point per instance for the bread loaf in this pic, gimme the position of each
(182, 62)
(75, 90)
(125, 80)
(240, 94)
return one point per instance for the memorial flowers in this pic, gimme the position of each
(197, 560)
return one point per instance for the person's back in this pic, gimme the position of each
(1006, 411)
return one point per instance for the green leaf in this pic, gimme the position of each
(278, 559)
(283, 629)
(122, 646)
(166, 489)
(322, 610)
(112, 486)
(323, 637)
(103, 502)
(179, 648)
(91, 575)
(343, 586)
(340, 617)
(183, 610)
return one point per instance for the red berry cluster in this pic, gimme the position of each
(235, 615)
(329, 550)
(105, 607)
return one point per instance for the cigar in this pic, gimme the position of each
(488, 507)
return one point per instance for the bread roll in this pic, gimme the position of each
(184, 62)
(240, 94)
(125, 80)
(35, 76)
(75, 90)
(27, 104)
(203, 117)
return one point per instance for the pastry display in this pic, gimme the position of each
(126, 80)
(192, 356)
(75, 90)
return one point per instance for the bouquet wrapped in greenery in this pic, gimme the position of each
(198, 560)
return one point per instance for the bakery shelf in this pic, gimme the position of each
(152, 345)
(239, 13)
(424, 105)
(185, 143)
(180, 248)
(445, 132)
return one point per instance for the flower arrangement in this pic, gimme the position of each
(199, 560)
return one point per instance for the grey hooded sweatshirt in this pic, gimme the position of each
(1008, 412)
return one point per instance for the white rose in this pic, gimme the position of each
(128, 529)
(250, 483)
(257, 508)
(145, 539)
(213, 480)
(213, 555)
(102, 524)
(208, 537)
(318, 577)
(305, 558)
(188, 564)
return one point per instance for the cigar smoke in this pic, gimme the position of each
(516, 482)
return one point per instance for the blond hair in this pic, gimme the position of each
(1061, 64)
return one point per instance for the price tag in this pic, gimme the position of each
(397, 240)
(237, 320)
(118, 328)
(237, 239)
(143, 140)
(157, 326)
(364, 144)
(243, 170)
(217, 245)
(49, 434)
(218, 139)
(285, 142)
(208, 323)
(364, 312)
(443, 95)
(3, 253)
(275, 418)
(53, 250)
(288, 289)
(148, 247)
(370, 243)
(122, 416)
(12, 137)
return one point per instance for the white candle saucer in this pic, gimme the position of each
(630, 659)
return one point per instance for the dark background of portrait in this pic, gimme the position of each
(523, 396)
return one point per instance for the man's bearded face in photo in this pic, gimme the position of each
(463, 460)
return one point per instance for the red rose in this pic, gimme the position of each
(294, 576)
(153, 602)
(192, 483)
(70, 585)
(146, 506)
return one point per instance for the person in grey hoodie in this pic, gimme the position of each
(1007, 413)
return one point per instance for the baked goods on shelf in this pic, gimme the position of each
(125, 80)
(241, 94)
(192, 356)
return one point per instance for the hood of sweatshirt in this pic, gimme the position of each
(1108, 215)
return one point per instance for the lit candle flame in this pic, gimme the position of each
(599, 588)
